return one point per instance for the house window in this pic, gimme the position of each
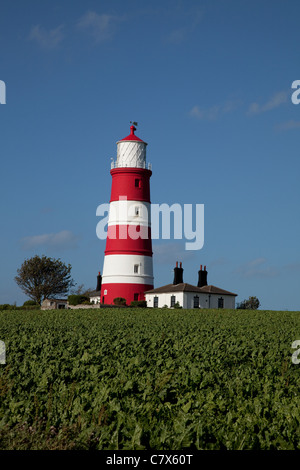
(136, 268)
(173, 300)
(196, 301)
(135, 296)
(155, 303)
(220, 302)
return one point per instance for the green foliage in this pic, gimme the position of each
(6, 307)
(138, 303)
(177, 305)
(119, 301)
(23, 307)
(31, 303)
(27, 307)
(77, 299)
(161, 379)
(43, 277)
(251, 304)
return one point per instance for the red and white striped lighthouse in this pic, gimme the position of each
(128, 267)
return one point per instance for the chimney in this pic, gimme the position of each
(202, 277)
(99, 281)
(178, 274)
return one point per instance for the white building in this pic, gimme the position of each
(189, 296)
(94, 296)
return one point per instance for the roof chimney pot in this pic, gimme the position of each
(202, 277)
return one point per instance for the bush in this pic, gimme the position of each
(23, 307)
(29, 307)
(119, 301)
(6, 307)
(138, 303)
(177, 305)
(77, 299)
(30, 303)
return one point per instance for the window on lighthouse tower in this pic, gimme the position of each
(136, 268)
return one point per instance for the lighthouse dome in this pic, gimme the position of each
(131, 151)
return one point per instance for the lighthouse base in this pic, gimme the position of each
(129, 292)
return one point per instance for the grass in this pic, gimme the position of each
(149, 379)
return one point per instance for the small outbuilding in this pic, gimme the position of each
(189, 296)
(54, 304)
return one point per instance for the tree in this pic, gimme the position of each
(251, 304)
(76, 299)
(43, 277)
(77, 290)
(81, 290)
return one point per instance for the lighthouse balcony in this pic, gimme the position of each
(116, 164)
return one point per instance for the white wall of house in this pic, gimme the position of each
(164, 299)
(95, 300)
(209, 300)
(186, 300)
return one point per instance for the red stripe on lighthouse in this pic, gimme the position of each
(130, 182)
(120, 240)
(130, 292)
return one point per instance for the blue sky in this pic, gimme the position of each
(209, 83)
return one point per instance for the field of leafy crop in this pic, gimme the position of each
(149, 379)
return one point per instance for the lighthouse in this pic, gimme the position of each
(128, 266)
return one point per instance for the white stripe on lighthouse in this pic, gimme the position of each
(124, 212)
(129, 269)
(131, 154)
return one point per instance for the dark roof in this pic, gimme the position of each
(184, 287)
(215, 290)
(94, 293)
